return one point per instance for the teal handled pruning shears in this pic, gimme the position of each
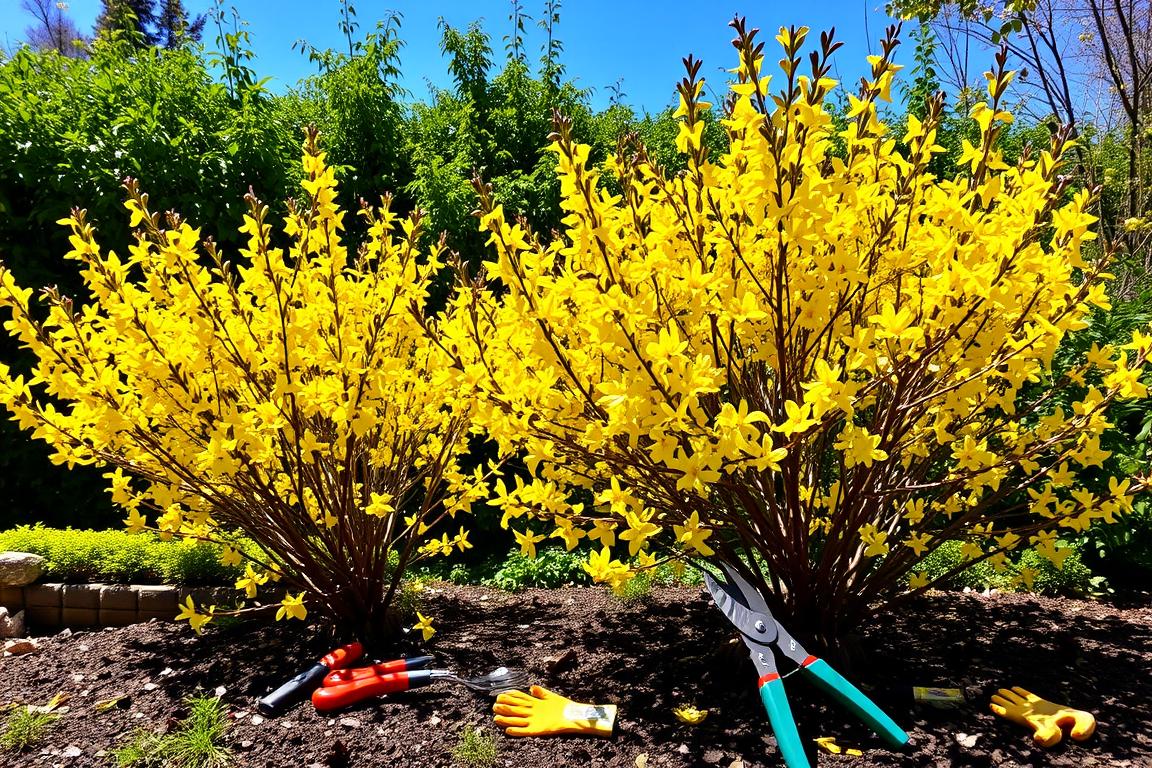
(746, 609)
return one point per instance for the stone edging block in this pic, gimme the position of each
(112, 618)
(119, 605)
(118, 597)
(80, 617)
(156, 602)
(82, 596)
(42, 604)
(50, 606)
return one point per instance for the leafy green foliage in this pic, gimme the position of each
(195, 743)
(512, 571)
(1074, 578)
(491, 124)
(355, 102)
(925, 84)
(70, 132)
(1123, 552)
(666, 575)
(552, 567)
(118, 556)
(637, 590)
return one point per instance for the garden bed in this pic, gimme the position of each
(674, 649)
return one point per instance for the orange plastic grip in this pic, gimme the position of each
(333, 697)
(342, 676)
(343, 656)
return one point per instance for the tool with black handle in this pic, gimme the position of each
(300, 686)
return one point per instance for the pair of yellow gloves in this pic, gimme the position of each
(540, 712)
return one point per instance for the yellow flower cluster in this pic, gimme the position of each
(808, 350)
(298, 394)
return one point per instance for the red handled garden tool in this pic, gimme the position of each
(746, 608)
(299, 686)
(346, 687)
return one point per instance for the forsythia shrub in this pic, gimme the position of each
(808, 357)
(298, 395)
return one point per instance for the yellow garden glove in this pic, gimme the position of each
(1044, 717)
(543, 713)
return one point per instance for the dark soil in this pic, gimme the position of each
(648, 658)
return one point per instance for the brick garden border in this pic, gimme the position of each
(54, 606)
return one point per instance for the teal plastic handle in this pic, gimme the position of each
(780, 716)
(833, 683)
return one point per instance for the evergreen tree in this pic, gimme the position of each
(173, 28)
(132, 17)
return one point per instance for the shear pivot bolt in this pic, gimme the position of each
(760, 626)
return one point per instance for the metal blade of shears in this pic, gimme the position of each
(782, 639)
(750, 596)
(752, 624)
(756, 632)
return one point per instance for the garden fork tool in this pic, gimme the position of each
(745, 607)
(345, 687)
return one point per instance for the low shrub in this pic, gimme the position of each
(302, 401)
(727, 364)
(949, 556)
(1074, 578)
(553, 567)
(637, 590)
(118, 556)
(461, 568)
(550, 568)
(668, 575)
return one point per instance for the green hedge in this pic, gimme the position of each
(120, 557)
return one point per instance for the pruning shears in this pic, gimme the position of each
(746, 608)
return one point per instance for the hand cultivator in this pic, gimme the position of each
(746, 608)
(345, 687)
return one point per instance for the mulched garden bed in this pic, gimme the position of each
(676, 648)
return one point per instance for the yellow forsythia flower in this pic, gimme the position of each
(292, 608)
(424, 624)
(196, 619)
(686, 713)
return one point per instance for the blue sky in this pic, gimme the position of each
(639, 43)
